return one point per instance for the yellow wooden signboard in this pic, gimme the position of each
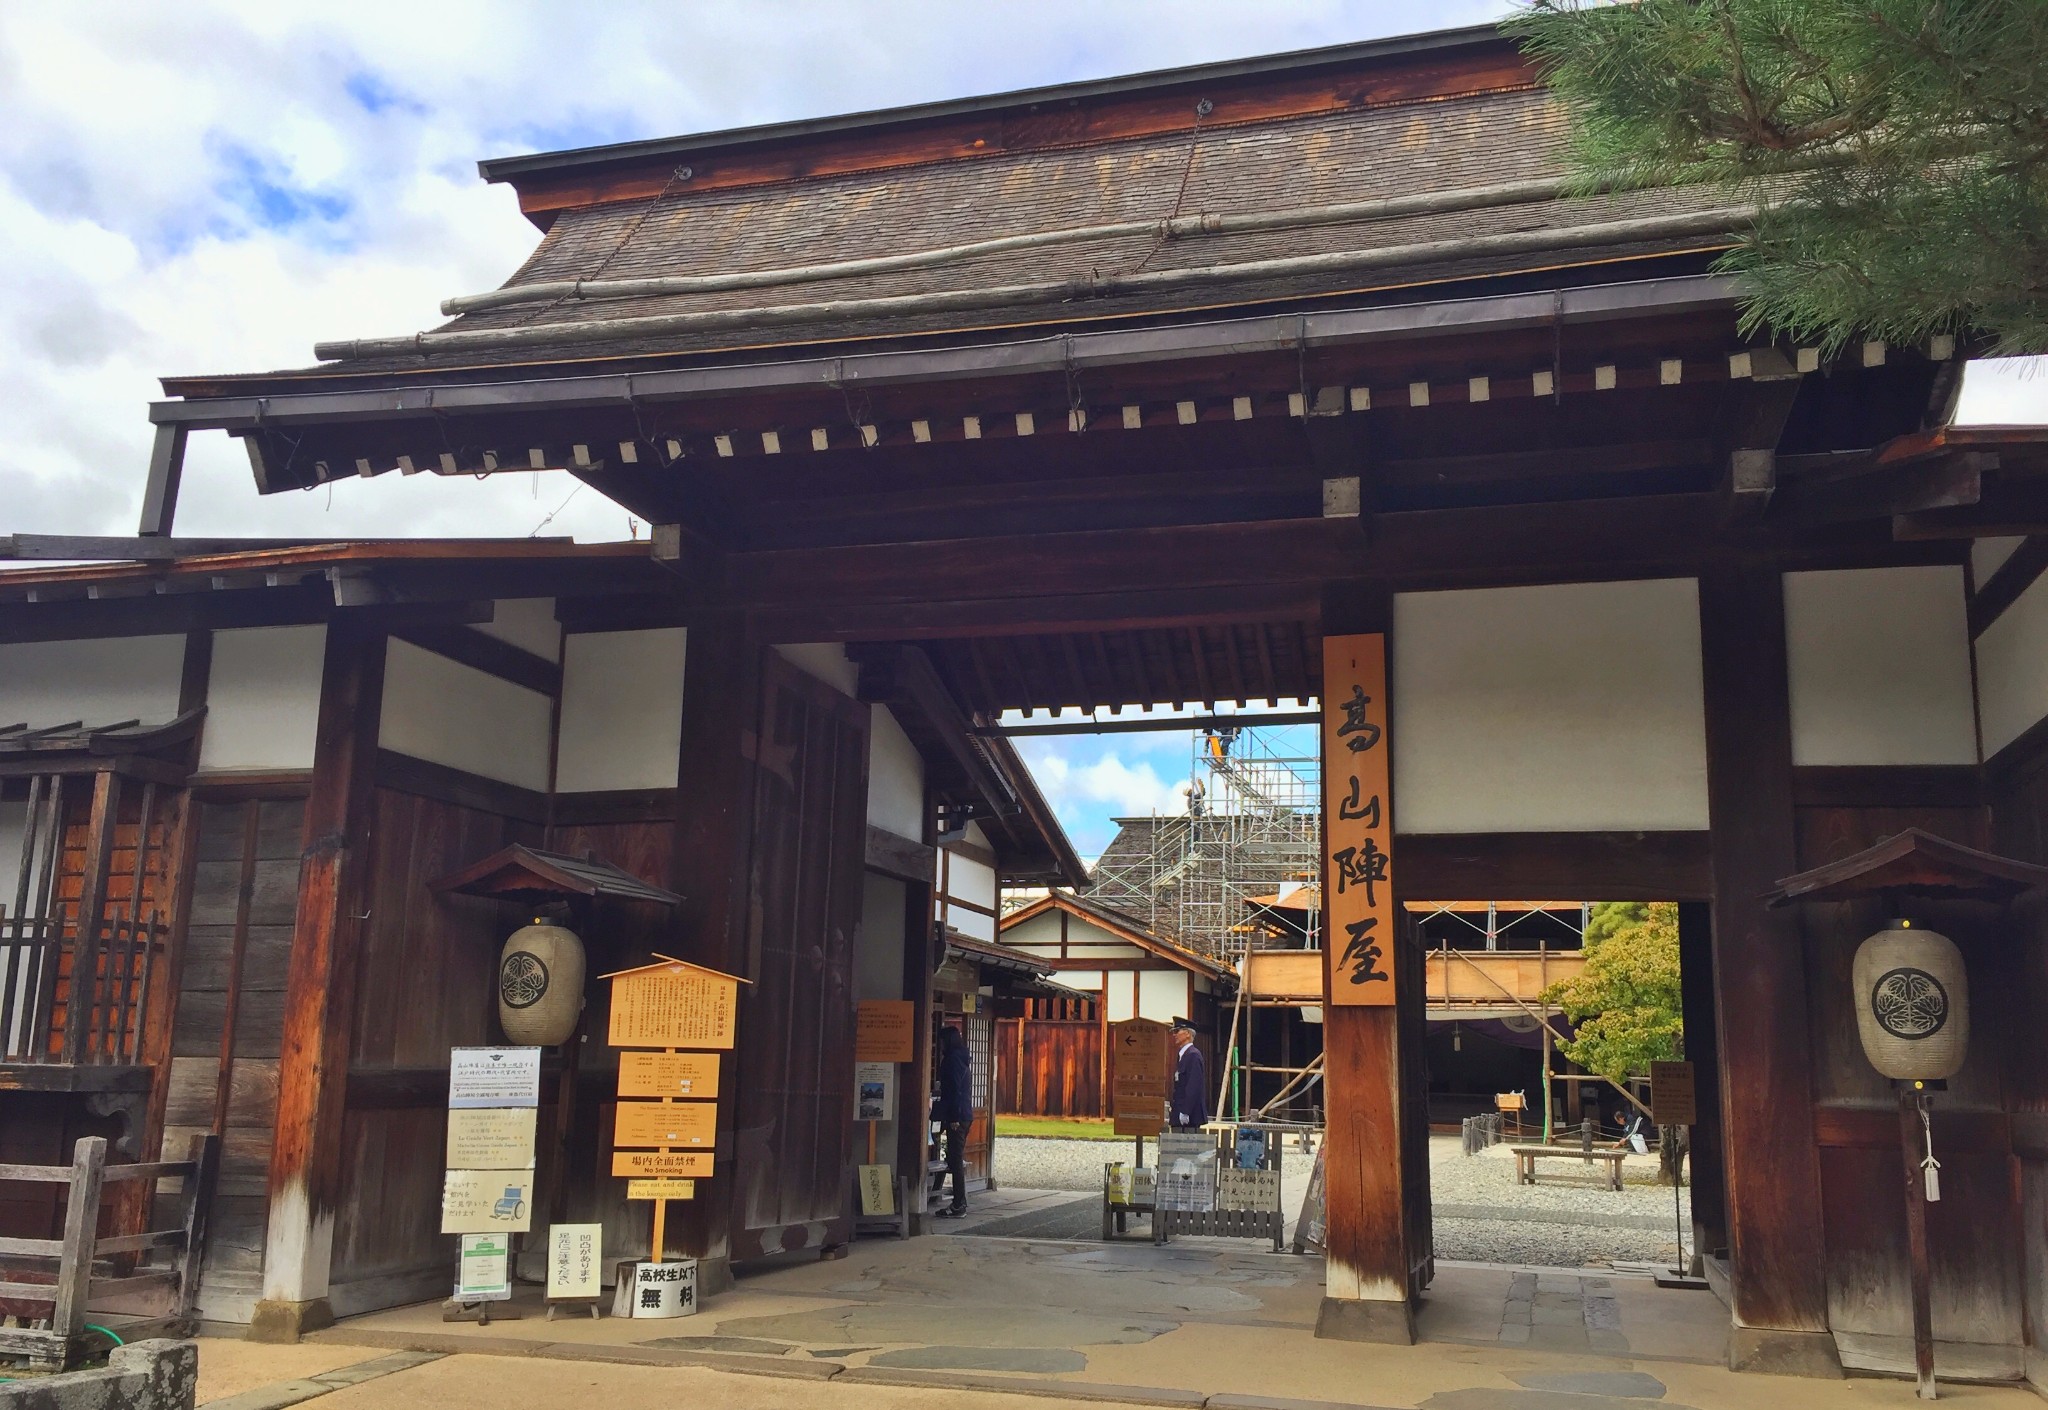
(673, 1005)
(668, 1074)
(1140, 1076)
(885, 1030)
(647, 1164)
(1358, 822)
(691, 1125)
(661, 1189)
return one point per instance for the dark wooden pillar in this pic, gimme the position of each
(1707, 1157)
(320, 987)
(1371, 1143)
(1775, 1242)
(713, 832)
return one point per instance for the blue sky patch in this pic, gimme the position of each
(376, 97)
(261, 188)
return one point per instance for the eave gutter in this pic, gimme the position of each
(1067, 352)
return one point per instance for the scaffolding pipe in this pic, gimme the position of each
(1720, 221)
(1176, 228)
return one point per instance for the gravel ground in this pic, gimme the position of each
(1486, 1217)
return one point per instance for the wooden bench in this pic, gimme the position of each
(1527, 1156)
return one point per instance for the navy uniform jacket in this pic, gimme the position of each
(1190, 1089)
(956, 1086)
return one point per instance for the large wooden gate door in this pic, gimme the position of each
(793, 1112)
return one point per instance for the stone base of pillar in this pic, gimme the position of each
(1356, 1319)
(1770, 1352)
(714, 1276)
(276, 1321)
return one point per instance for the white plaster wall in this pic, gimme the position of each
(968, 880)
(878, 974)
(1162, 994)
(895, 779)
(1039, 935)
(1113, 951)
(1571, 707)
(1879, 664)
(448, 713)
(263, 698)
(2012, 668)
(1988, 555)
(622, 710)
(527, 623)
(1079, 978)
(100, 682)
(827, 661)
(1121, 1001)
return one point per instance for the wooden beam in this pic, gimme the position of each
(320, 987)
(166, 473)
(1556, 866)
(1888, 786)
(1773, 1172)
(901, 858)
(422, 777)
(2009, 504)
(904, 680)
(2011, 578)
(1874, 491)
(485, 653)
(1751, 425)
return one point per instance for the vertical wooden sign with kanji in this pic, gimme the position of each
(1358, 821)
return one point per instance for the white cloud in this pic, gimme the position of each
(213, 186)
(1080, 777)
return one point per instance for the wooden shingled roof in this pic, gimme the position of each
(1455, 112)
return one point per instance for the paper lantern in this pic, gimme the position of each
(540, 985)
(1912, 1003)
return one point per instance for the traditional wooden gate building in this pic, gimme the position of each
(1147, 391)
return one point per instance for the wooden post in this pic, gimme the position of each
(710, 862)
(203, 1153)
(320, 986)
(84, 1000)
(1369, 1291)
(1910, 1138)
(81, 1233)
(1778, 1260)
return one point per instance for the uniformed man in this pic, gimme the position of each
(1189, 1109)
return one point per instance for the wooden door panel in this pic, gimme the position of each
(794, 1080)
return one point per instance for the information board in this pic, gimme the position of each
(689, 1124)
(673, 1005)
(668, 1074)
(1140, 1075)
(486, 1077)
(885, 1030)
(483, 1269)
(1358, 822)
(1673, 1100)
(487, 1202)
(642, 1164)
(874, 1091)
(491, 1138)
(575, 1261)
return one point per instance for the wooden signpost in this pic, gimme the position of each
(884, 1035)
(1358, 822)
(1140, 1077)
(664, 1144)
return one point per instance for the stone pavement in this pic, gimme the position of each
(985, 1322)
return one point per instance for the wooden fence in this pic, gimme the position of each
(83, 1270)
(1049, 1067)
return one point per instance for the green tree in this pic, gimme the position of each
(1607, 917)
(1626, 1002)
(1897, 149)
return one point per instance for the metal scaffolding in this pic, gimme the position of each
(1252, 829)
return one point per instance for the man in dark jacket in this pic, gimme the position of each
(1190, 1106)
(955, 1111)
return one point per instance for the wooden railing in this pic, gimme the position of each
(115, 1274)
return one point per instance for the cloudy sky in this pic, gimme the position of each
(212, 186)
